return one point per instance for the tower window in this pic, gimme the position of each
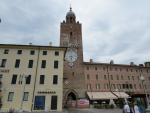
(117, 77)
(96, 77)
(70, 33)
(121, 77)
(95, 68)
(88, 77)
(70, 19)
(105, 77)
(87, 68)
(111, 77)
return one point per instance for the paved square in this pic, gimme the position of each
(94, 111)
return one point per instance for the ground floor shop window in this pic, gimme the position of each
(54, 103)
(39, 103)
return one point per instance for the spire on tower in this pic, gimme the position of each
(70, 16)
(70, 6)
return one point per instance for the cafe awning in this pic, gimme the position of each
(121, 94)
(101, 95)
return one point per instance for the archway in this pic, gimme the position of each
(71, 99)
(71, 96)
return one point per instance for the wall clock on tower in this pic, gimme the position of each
(71, 56)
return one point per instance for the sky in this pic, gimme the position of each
(116, 30)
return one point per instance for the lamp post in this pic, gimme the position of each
(24, 78)
(147, 100)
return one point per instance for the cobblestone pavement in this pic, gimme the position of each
(94, 111)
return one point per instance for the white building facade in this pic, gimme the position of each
(31, 77)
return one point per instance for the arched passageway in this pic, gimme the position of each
(71, 99)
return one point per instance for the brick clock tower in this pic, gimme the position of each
(71, 37)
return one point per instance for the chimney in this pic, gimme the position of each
(50, 43)
(91, 60)
(131, 63)
(111, 62)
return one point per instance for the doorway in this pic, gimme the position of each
(71, 100)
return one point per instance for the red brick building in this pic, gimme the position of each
(82, 77)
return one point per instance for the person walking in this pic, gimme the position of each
(136, 108)
(126, 108)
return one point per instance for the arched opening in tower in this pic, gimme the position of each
(71, 96)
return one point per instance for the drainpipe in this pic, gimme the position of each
(35, 78)
(109, 79)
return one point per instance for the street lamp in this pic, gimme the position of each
(147, 100)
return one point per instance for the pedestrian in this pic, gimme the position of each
(126, 108)
(136, 108)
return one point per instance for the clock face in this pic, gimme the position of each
(71, 56)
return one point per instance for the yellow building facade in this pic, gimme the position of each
(32, 77)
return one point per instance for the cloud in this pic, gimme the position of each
(116, 29)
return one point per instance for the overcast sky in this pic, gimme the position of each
(112, 29)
